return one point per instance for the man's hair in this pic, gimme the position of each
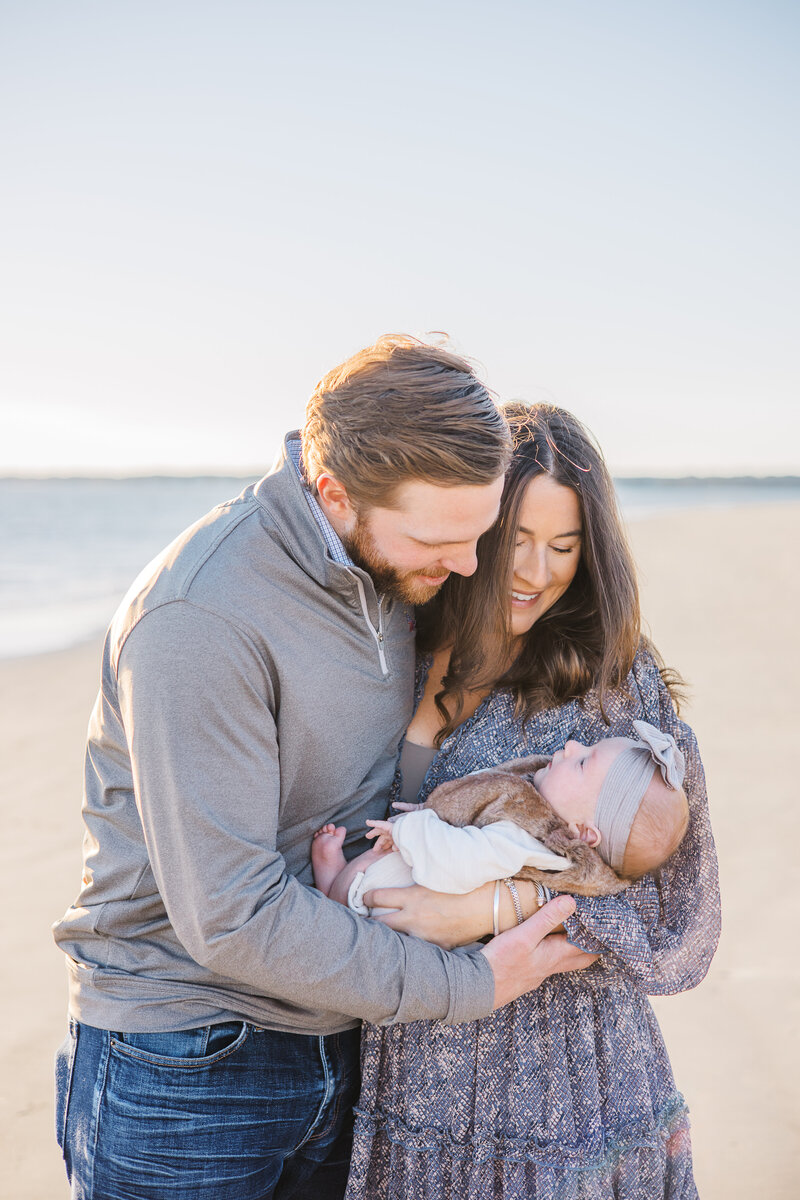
(658, 829)
(400, 410)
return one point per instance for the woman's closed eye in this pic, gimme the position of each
(558, 549)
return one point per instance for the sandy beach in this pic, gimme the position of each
(721, 594)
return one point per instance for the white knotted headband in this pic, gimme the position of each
(627, 781)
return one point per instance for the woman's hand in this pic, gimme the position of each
(449, 920)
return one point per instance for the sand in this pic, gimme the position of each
(721, 593)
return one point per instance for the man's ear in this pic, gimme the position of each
(590, 834)
(335, 502)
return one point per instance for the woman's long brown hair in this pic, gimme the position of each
(589, 638)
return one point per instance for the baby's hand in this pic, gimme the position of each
(382, 831)
(404, 806)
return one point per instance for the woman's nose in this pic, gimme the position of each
(535, 571)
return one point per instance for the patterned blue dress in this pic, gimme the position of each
(568, 1092)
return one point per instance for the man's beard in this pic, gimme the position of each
(403, 585)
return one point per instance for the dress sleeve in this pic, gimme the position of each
(663, 930)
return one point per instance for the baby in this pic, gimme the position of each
(589, 820)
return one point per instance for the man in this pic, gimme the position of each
(255, 684)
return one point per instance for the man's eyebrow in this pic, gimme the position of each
(572, 533)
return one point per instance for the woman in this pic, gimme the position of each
(567, 1092)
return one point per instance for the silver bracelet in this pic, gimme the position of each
(543, 894)
(512, 887)
(496, 909)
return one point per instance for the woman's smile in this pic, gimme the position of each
(548, 550)
(523, 599)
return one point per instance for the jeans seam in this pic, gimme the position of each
(73, 1053)
(328, 1078)
(97, 1099)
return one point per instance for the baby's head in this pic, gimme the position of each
(622, 796)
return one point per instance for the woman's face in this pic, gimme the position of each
(548, 550)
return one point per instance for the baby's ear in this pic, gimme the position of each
(589, 834)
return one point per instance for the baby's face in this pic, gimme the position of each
(571, 782)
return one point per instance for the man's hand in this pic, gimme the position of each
(523, 957)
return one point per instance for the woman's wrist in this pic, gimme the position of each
(507, 916)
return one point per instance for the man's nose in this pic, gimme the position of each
(463, 561)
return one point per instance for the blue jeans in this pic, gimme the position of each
(225, 1112)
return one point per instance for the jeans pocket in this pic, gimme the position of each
(188, 1049)
(65, 1065)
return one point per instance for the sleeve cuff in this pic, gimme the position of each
(471, 988)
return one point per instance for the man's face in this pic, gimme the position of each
(410, 549)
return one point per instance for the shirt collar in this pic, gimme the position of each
(332, 540)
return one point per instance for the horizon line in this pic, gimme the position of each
(788, 477)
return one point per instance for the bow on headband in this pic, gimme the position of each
(664, 753)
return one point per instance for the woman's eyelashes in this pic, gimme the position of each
(558, 549)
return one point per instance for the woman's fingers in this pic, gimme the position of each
(437, 917)
(388, 897)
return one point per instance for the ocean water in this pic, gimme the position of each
(69, 548)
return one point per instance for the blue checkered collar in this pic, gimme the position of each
(332, 540)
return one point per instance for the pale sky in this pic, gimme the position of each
(205, 206)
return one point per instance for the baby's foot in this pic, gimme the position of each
(327, 856)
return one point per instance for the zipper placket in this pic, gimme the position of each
(376, 633)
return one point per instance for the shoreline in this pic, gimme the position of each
(720, 594)
(632, 523)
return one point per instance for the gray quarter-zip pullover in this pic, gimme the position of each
(252, 690)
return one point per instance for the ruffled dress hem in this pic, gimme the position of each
(394, 1161)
